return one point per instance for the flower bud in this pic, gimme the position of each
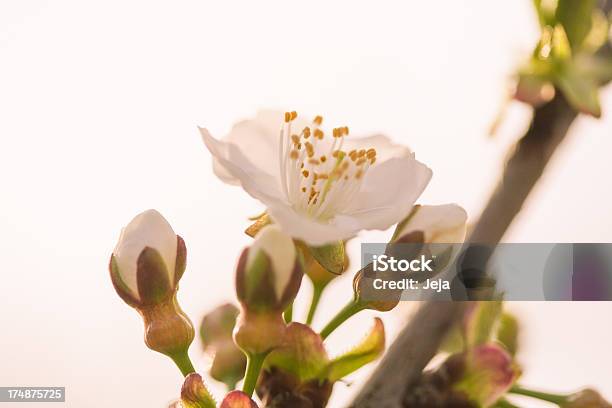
(216, 330)
(145, 269)
(194, 393)
(148, 261)
(440, 224)
(269, 273)
(300, 372)
(237, 399)
(487, 373)
(268, 278)
(586, 398)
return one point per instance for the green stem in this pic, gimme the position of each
(254, 364)
(183, 362)
(544, 396)
(316, 297)
(288, 314)
(343, 315)
(504, 404)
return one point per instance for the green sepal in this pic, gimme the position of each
(368, 350)
(302, 354)
(480, 321)
(194, 393)
(330, 256)
(152, 277)
(576, 18)
(507, 333)
(121, 287)
(581, 91)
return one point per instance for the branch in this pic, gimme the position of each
(419, 340)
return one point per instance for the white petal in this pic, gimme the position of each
(233, 166)
(280, 250)
(389, 191)
(440, 223)
(385, 148)
(258, 140)
(147, 229)
(310, 230)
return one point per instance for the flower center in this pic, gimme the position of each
(317, 176)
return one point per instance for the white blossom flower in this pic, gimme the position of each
(319, 188)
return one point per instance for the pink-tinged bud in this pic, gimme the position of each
(586, 398)
(194, 393)
(216, 331)
(237, 399)
(488, 373)
(148, 261)
(269, 273)
(268, 278)
(145, 268)
(440, 224)
(301, 373)
(534, 90)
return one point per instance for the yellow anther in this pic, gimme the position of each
(309, 149)
(318, 120)
(353, 155)
(295, 139)
(303, 189)
(306, 132)
(318, 133)
(361, 153)
(294, 154)
(289, 116)
(323, 159)
(358, 174)
(372, 160)
(371, 153)
(305, 173)
(346, 130)
(360, 161)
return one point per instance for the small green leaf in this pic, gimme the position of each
(507, 333)
(576, 16)
(480, 321)
(581, 91)
(370, 348)
(561, 48)
(330, 256)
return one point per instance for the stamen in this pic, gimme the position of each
(320, 183)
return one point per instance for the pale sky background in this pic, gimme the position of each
(99, 108)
